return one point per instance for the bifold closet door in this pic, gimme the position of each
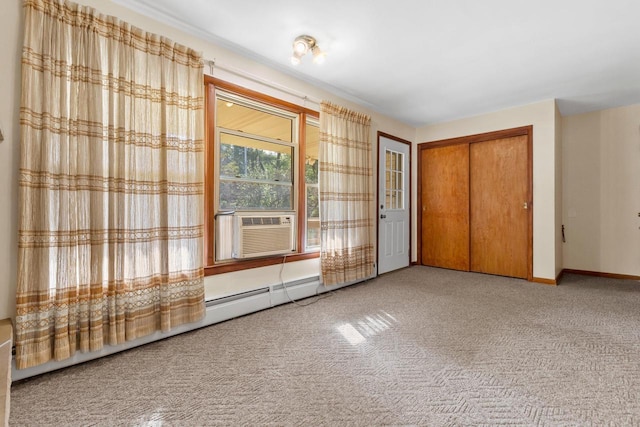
(445, 206)
(499, 206)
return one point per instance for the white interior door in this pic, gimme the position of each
(393, 205)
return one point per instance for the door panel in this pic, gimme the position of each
(393, 215)
(388, 243)
(445, 206)
(499, 203)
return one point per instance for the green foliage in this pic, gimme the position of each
(311, 177)
(311, 172)
(313, 204)
(252, 178)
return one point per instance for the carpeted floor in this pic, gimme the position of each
(420, 346)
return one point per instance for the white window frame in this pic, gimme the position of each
(221, 250)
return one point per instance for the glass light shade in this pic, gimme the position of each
(296, 57)
(300, 47)
(318, 55)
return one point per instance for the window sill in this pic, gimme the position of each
(232, 266)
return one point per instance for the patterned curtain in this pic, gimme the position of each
(346, 196)
(111, 183)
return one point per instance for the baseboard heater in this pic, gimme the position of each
(234, 297)
(295, 283)
(279, 286)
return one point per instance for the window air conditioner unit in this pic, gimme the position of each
(256, 236)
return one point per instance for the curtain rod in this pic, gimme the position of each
(241, 73)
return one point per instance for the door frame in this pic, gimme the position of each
(478, 138)
(409, 193)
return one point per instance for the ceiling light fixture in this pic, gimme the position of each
(318, 55)
(303, 44)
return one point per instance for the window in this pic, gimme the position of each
(256, 148)
(312, 205)
(262, 161)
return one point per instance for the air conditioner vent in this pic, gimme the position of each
(256, 236)
(264, 220)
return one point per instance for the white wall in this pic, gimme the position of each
(10, 49)
(542, 116)
(601, 202)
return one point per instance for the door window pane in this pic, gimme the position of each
(394, 180)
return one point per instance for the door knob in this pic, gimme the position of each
(383, 216)
(525, 206)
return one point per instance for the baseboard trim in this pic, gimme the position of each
(601, 274)
(551, 282)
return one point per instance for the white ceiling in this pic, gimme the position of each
(428, 61)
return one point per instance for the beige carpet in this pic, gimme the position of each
(420, 346)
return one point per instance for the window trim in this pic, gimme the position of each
(211, 85)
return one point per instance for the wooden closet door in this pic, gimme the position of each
(499, 203)
(445, 206)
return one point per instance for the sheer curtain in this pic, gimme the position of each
(346, 196)
(111, 183)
